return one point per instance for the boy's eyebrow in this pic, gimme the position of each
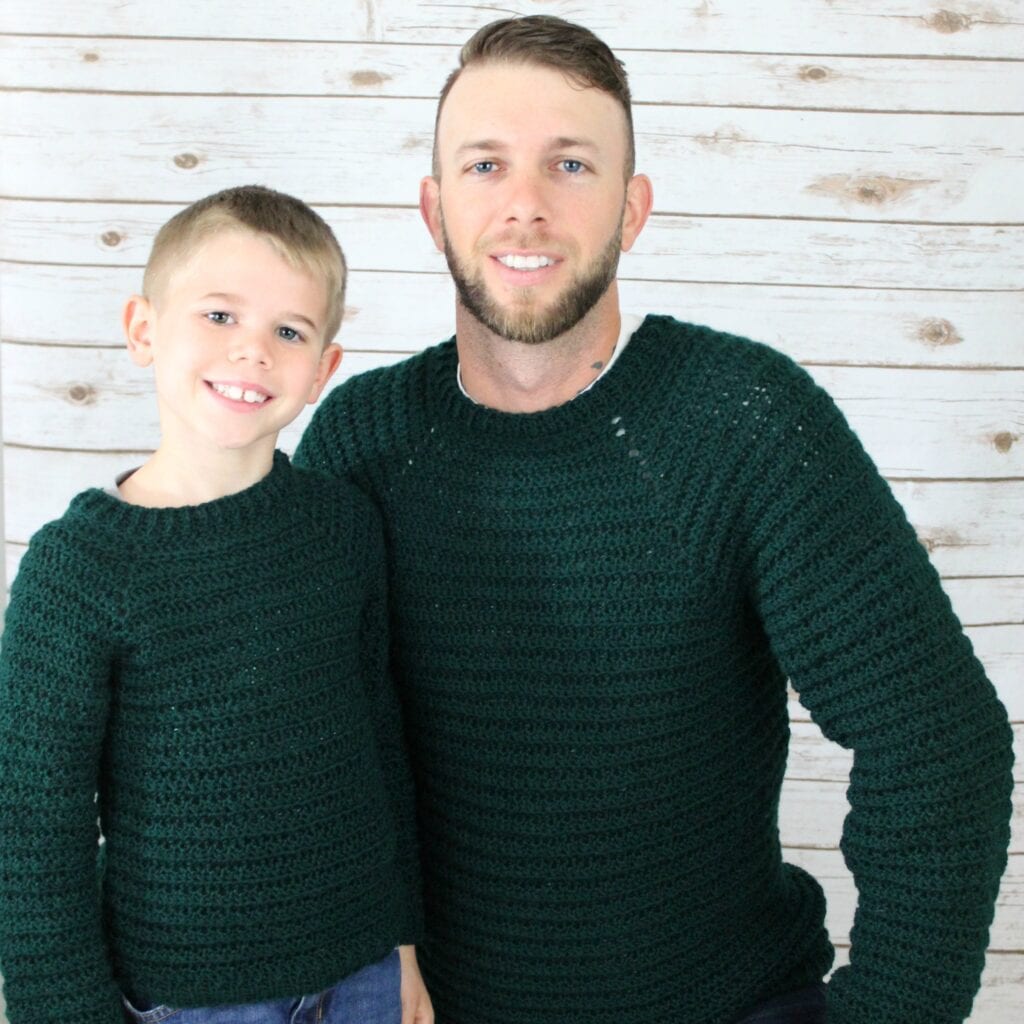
(228, 297)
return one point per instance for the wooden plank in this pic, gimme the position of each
(965, 28)
(1007, 932)
(39, 484)
(1002, 983)
(920, 423)
(84, 400)
(987, 602)
(812, 758)
(309, 68)
(915, 423)
(764, 163)
(811, 815)
(969, 528)
(711, 249)
(81, 306)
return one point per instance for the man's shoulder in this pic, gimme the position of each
(391, 382)
(717, 357)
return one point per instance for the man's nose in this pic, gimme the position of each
(527, 198)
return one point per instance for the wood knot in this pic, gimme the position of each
(870, 190)
(186, 161)
(813, 73)
(1004, 441)
(948, 22)
(364, 79)
(937, 332)
(81, 394)
(90, 57)
(722, 140)
(111, 238)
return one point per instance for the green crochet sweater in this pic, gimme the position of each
(218, 674)
(596, 609)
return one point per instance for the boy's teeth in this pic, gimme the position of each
(525, 262)
(236, 393)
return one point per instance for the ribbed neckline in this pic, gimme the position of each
(636, 372)
(242, 508)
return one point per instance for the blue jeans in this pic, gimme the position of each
(805, 1006)
(369, 996)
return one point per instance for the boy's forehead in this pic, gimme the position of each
(239, 263)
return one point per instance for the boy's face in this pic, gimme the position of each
(235, 338)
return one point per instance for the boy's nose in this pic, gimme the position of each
(251, 346)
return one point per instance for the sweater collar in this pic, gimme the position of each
(242, 510)
(635, 373)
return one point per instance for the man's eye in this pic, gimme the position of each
(289, 334)
(218, 317)
(572, 166)
(484, 166)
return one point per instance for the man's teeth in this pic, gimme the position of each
(525, 262)
(238, 394)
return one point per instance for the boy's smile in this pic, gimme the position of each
(235, 337)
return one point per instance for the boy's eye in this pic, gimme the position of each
(484, 166)
(572, 166)
(288, 334)
(217, 316)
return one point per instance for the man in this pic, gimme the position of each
(611, 542)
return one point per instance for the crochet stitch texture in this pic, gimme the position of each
(596, 608)
(219, 674)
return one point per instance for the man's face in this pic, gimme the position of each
(532, 208)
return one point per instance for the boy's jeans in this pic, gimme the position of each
(370, 996)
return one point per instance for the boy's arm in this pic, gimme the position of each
(387, 723)
(856, 617)
(54, 672)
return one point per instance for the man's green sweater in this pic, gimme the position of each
(218, 675)
(596, 610)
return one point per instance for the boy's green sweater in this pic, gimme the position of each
(218, 674)
(596, 610)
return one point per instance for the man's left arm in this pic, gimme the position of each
(857, 619)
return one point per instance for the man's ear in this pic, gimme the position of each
(329, 360)
(430, 209)
(639, 201)
(137, 321)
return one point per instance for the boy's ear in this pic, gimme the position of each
(329, 360)
(137, 320)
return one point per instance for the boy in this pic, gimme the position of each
(198, 658)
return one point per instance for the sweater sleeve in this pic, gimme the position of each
(54, 683)
(385, 709)
(325, 442)
(856, 617)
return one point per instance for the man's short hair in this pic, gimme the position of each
(299, 235)
(549, 42)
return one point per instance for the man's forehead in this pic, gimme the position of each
(498, 103)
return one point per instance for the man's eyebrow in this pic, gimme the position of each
(572, 142)
(228, 297)
(559, 142)
(491, 144)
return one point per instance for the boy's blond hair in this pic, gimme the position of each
(299, 235)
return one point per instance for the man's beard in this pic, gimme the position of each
(526, 323)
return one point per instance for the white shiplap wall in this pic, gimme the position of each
(841, 178)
